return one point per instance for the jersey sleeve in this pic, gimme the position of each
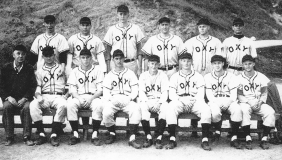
(100, 78)
(253, 50)
(141, 82)
(133, 79)
(233, 82)
(38, 78)
(173, 81)
(99, 49)
(71, 45)
(264, 80)
(108, 39)
(107, 83)
(181, 46)
(63, 45)
(189, 46)
(72, 78)
(218, 47)
(200, 81)
(140, 36)
(147, 48)
(164, 83)
(224, 48)
(35, 46)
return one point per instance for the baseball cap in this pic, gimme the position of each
(117, 53)
(85, 52)
(85, 20)
(49, 18)
(164, 19)
(122, 8)
(218, 58)
(185, 55)
(48, 51)
(204, 21)
(20, 48)
(154, 58)
(248, 58)
(238, 21)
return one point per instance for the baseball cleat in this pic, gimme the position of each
(40, 140)
(74, 140)
(9, 141)
(54, 141)
(171, 144)
(96, 141)
(134, 144)
(110, 139)
(148, 143)
(236, 144)
(159, 144)
(195, 135)
(28, 142)
(249, 145)
(205, 145)
(215, 137)
(264, 145)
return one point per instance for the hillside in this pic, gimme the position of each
(22, 20)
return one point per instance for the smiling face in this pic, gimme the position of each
(49, 26)
(186, 63)
(203, 29)
(19, 56)
(217, 66)
(153, 66)
(248, 66)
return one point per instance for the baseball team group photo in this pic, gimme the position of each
(157, 82)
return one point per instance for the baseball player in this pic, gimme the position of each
(53, 39)
(153, 95)
(17, 87)
(85, 84)
(221, 91)
(252, 94)
(120, 89)
(237, 46)
(187, 89)
(83, 40)
(49, 94)
(167, 46)
(126, 37)
(203, 47)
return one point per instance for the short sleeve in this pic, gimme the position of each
(253, 50)
(63, 45)
(108, 37)
(133, 79)
(147, 48)
(164, 82)
(233, 82)
(200, 81)
(107, 81)
(35, 46)
(208, 81)
(100, 47)
(100, 78)
(141, 82)
(72, 78)
(173, 81)
(139, 35)
(71, 45)
(264, 80)
(189, 46)
(181, 48)
(38, 79)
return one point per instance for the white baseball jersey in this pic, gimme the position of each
(50, 79)
(167, 49)
(153, 85)
(251, 87)
(221, 86)
(202, 50)
(78, 42)
(125, 39)
(120, 82)
(187, 84)
(86, 82)
(57, 41)
(235, 49)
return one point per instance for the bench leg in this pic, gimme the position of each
(85, 132)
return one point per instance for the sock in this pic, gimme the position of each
(75, 133)
(247, 130)
(171, 130)
(235, 127)
(111, 129)
(74, 125)
(266, 131)
(161, 127)
(218, 125)
(205, 130)
(56, 126)
(133, 128)
(39, 126)
(96, 124)
(146, 126)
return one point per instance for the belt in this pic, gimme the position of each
(53, 93)
(129, 60)
(168, 67)
(184, 95)
(89, 93)
(222, 95)
(236, 68)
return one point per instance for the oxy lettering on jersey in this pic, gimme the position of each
(152, 88)
(159, 47)
(86, 79)
(251, 86)
(198, 49)
(124, 36)
(238, 48)
(187, 84)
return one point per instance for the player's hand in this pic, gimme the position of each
(12, 100)
(156, 107)
(82, 102)
(187, 108)
(226, 102)
(67, 71)
(21, 102)
(40, 100)
(87, 103)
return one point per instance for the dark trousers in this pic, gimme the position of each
(9, 111)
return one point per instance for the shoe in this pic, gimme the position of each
(96, 141)
(74, 140)
(28, 142)
(249, 145)
(9, 141)
(54, 141)
(159, 144)
(111, 139)
(205, 145)
(236, 144)
(215, 137)
(171, 144)
(195, 135)
(148, 143)
(264, 145)
(134, 144)
(40, 140)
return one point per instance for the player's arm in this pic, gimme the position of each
(142, 95)
(140, 56)
(107, 55)
(263, 95)
(240, 94)
(32, 84)
(69, 63)
(134, 92)
(63, 57)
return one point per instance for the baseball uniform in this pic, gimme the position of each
(77, 42)
(57, 41)
(125, 39)
(202, 50)
(168, 49)
(234, 49)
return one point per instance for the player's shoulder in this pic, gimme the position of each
(144, 75)
(74, 36)
(261, 75)
(208, 76)
(198, 75)
(58, 35)
(231, 38)
(215, 38)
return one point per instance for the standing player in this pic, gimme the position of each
(221, 91)
(52, 39)
(17, 87)
(120, 89)
(187, 89)
(153, 95)
(86, 40)
(237, 46)
(203, 47)
(86, 88)
(252, 95)
(167, 46)
(126, 37)
(49, 94)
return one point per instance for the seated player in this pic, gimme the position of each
(85, 83)
(120, 89)
(187, 89)
(252, 95)
(221, 91)
(153, 95)
(49, 94)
